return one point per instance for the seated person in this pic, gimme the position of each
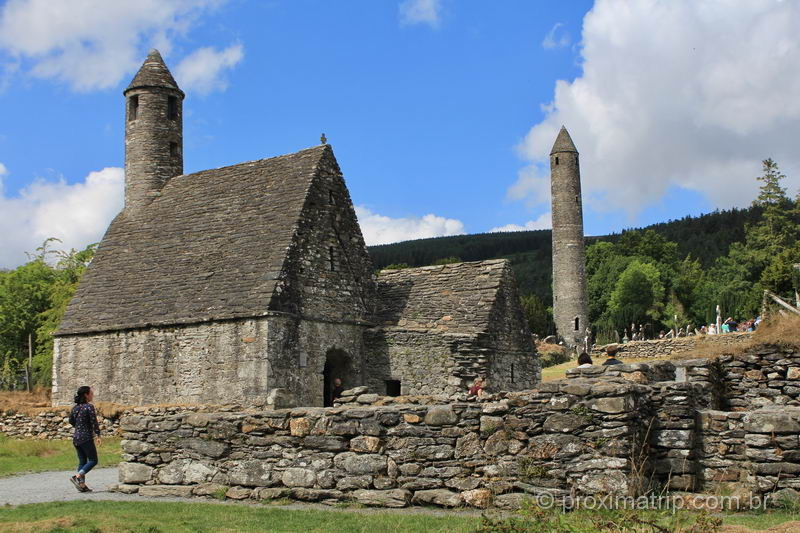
(478, 387)
(584, 360)
(611, 353)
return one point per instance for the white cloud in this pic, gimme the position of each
(543, 222)
(421, 12)
(78, 213)
(675, 93)
(92, 44)
(556, 38)
(379, 229)
(202, 70)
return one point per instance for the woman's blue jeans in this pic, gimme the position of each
(87, 456)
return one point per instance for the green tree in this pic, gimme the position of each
(539, 317)
(446, 261)
(33, 298)
(638, 294)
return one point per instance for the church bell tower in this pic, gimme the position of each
(153, 132)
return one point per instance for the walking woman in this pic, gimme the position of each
(84, 418)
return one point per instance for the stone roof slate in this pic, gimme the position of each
(455, 298)
(210, 247)
(563, 142)
(153, 73)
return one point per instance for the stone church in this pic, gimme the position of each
(228, 285)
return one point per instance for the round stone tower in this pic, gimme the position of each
(153, 132)
(570, 310)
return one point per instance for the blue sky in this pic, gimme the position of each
(441, 112)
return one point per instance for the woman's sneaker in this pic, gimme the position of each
(77, 483)
(84, 487)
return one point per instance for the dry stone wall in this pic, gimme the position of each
(51, 424)
(565, 436)
(667, 347)
(619, 430)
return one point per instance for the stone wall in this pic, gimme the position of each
(576, 436)
(51, 424)
(237, 361)
(667, 347)
(622, 429)
(759, 448)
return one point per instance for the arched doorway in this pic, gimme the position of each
(337, 365)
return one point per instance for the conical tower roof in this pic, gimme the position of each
(563, 143)
(153, 73)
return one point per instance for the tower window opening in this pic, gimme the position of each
(133, 107)
(577, 323)
(556, 160)
(331, 200)
(512, 372)
(173, 149)
(331, 259)
(172, 107)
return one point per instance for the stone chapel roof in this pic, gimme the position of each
(153, 73)
(454, 298)
(210, 247)
(563, 142)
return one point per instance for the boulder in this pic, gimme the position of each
(366, 444)
(180, 491)
(205, 447)
(298, 477)
(440, 497)
(360, 464)
(134, 473)
(238, 493)
(383, 498)
(209, 489)
(468, 446)
(440, 415)
(480, 498)
(252, 473)
(299, 427)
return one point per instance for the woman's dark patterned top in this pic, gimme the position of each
(84, 418)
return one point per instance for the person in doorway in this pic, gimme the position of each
(584, 360)
(336, 391)
(84, 418)
(611, 354)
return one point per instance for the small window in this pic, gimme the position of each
(556, 160)
(512, 372)
(172, 107)
(577, 323)
(173, 149)
(392, 387)
(330, 198)
(332, 259)
(133, 107)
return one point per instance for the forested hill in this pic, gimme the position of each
(705, 237)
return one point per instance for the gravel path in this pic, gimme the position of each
(56, 487)
(45, 487)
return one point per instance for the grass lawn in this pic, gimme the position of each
(153, 517)
(31, 455)
(764, 520)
